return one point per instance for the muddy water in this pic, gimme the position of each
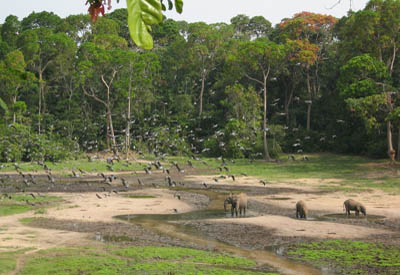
(163, 224)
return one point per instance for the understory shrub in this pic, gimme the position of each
(20, 143)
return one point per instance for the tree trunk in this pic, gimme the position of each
(288, 101)
(14, 100)
(128, 121)
(266, 152)
(310, 103)
(108, 133)
(398, 145)
(109, 114)
(40, 99)
(203, 78)
(391, 151)
(114, 143)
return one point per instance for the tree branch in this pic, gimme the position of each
(254, 79)
(92, 95)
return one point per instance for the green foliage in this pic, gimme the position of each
(362, 76)
(19, 143)
(350, 257)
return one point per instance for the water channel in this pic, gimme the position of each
(165, 224)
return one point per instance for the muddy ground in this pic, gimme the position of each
(90, 205)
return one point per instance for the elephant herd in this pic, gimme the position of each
(239, 204)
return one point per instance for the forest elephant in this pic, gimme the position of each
(352, 205)
(301, 210)
(237, 202)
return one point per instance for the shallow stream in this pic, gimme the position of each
(166, 224)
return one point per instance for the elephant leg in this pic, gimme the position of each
(297, 214)
(232, 211)
(244, 211)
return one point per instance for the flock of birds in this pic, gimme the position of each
(162, 141)
(115, 182)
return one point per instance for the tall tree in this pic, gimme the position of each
(259, 60)
(204, 42)
(363, 82)
(43, 50)
(10, 31)
(100, 65)
(13, 78)
(316, 29)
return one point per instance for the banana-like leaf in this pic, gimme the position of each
(141, 15)
(3, 106)
(179, 6)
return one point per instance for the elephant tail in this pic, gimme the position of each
(344, 204)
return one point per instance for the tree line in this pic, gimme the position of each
(246, 89)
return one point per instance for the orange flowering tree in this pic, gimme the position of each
(308, 34)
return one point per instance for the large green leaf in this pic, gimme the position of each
(179, 5)
(141, 15)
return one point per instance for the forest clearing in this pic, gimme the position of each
(93, 218)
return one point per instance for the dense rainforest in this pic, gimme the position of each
(312, 83)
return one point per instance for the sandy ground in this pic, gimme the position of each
(88, 207)
(85, 207)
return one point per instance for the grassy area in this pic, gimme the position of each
(65, 167)
(345, 172)
(17, 204)
(135, 260)
(349, 257)
(7, 264)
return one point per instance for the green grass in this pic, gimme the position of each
(7, 264)
(349, 257)
(17, 204)
(135, 260)
(349, 172)
(65, 167)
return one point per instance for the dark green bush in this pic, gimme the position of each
(20, 143)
